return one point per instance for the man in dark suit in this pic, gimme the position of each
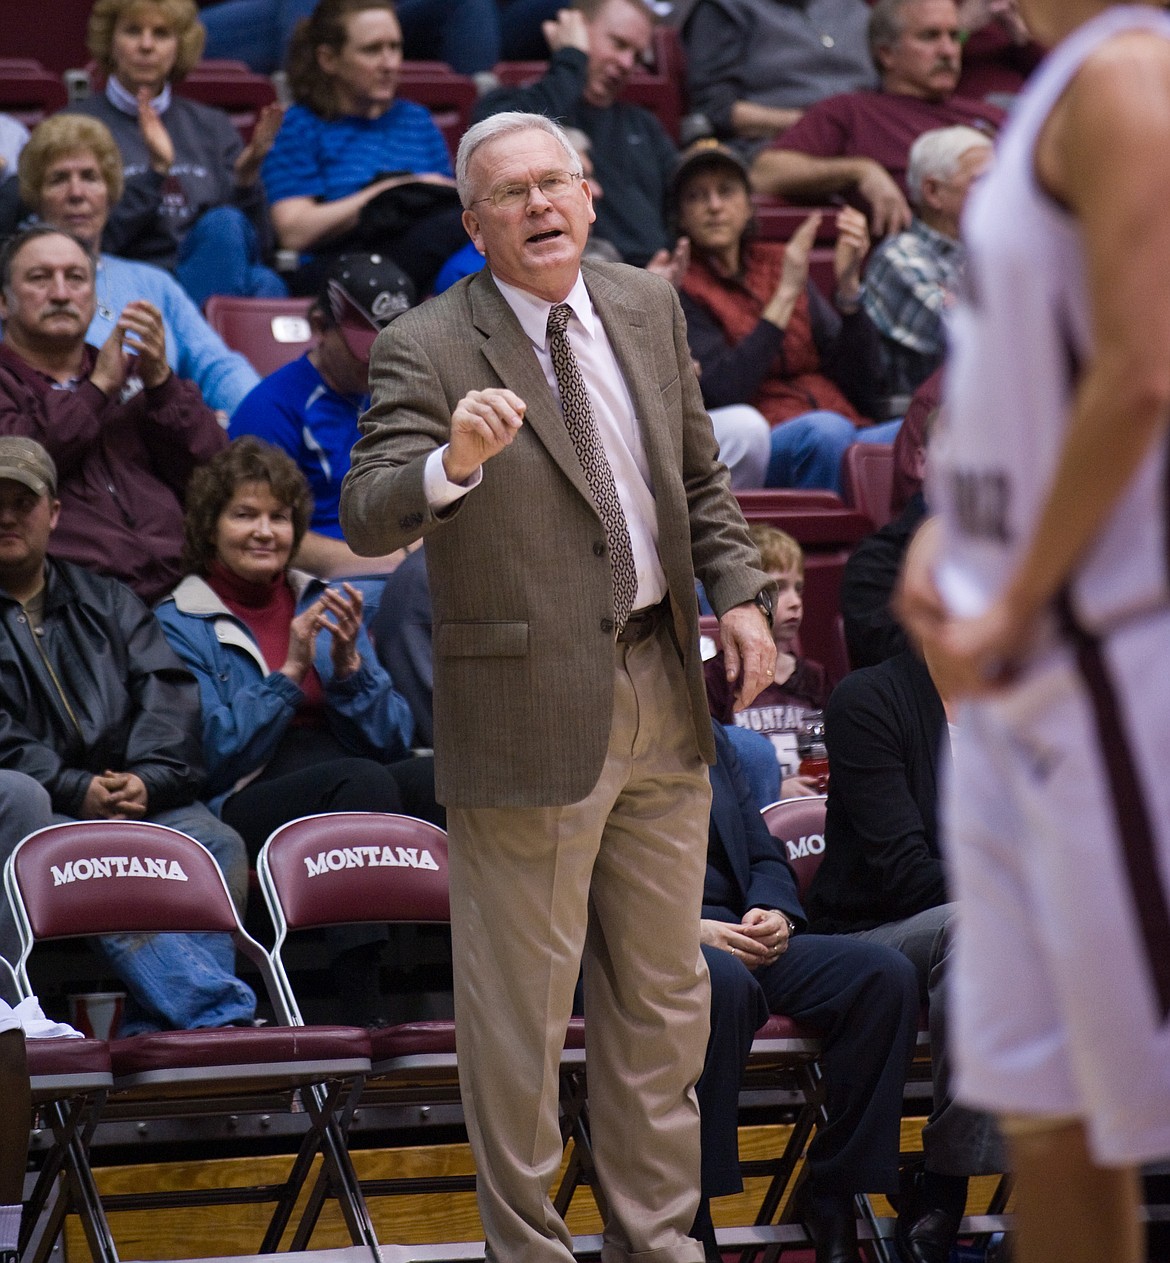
(570, 718)
(863, 996)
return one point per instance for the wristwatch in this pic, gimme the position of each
(763, 602)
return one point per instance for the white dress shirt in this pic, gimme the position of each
(613, 408)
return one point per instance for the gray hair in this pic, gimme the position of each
(885, 25)
(936, 154)
(504, 125)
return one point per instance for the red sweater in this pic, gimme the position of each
(122, 467)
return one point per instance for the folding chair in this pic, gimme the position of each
(268, 332)
(343, 868)
(68, 1081)
(107, 877)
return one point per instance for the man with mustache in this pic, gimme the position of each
(124, 430)
(858, 143)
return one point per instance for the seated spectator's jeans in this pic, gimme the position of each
(183, 981)
(757, 757)
(744, 443)
(221, 255)
(807, 450)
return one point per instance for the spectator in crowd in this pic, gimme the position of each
(754, 67)
(70, 176)
(863, 996)
(911, 277)
(781, 710)
(193, 202)
(353, 166)
(299, 717)
(125, 430)
(764, 334)
(882, 880)
(463, 33)
(595, 47)
(96, 708)
(858, 143)
(310, 408)
(998, 52)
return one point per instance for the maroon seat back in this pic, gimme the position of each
(448, 96)
(112, 876)
(346, 867)
(268, 332)
(231, 86)
(29, 92)
(798, 824)
(867, 480)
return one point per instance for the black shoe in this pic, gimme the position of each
(926, 1237)
(831, 1224)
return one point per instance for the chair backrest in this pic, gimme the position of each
(448, 96)
(867, 480)
(118, 876)
(798, 824)
(29, 92)
(268, 332)
(233, 87)
(348, 867)
(351, 866)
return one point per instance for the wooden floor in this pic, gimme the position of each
(409, 1221)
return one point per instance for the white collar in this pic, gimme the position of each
(532, 312)
(121, 98)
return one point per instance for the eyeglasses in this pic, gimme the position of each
(555, 185)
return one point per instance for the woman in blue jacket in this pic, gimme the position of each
(299, 716)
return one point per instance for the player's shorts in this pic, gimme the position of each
(1059, 844)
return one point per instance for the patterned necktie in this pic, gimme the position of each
(582, 427)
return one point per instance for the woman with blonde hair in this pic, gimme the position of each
(193, 201)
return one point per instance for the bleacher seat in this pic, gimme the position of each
(447, 95)
(232, 87)
(28, 91)
(867, 480)
(268, 332)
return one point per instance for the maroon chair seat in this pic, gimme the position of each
(268, 332)
(867, 480)
(56, 1065)
(125, 877)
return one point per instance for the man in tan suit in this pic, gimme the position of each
(540, 423)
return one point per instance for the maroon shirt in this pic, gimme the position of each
(881, 125)
(122, 467)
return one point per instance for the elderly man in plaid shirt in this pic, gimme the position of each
(912, 275)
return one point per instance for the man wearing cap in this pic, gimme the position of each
(310, 408)
(125, 431)
(97, 709)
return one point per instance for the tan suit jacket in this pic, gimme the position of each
(519, 573)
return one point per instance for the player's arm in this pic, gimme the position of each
(1103, 154)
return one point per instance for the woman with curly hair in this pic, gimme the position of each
(354, 167)
(194, 203)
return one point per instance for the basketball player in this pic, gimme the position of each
(1041, 593)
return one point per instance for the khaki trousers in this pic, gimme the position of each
(612, 884)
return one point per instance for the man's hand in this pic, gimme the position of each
(672, 265)
(155, 136)
(849, 255)
(566, 30)
(888, 209)
(483, 424)
(251, 157)
(749, 652)
(759, 939)
(115, 796)
(147, 338)
(974, 15)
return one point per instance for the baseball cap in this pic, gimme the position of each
(365, 292)
(704, 155)
(26, 461)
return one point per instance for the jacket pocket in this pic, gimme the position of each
(482, 640)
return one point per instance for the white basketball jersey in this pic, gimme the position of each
(1018, 336)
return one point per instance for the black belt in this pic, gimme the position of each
(643, 623)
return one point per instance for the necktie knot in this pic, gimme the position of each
(558, 319)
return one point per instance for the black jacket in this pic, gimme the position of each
(99, 688)
(886, 734)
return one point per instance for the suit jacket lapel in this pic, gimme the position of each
(509, 352)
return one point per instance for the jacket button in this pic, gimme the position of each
(599, 548)
(607, 626)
